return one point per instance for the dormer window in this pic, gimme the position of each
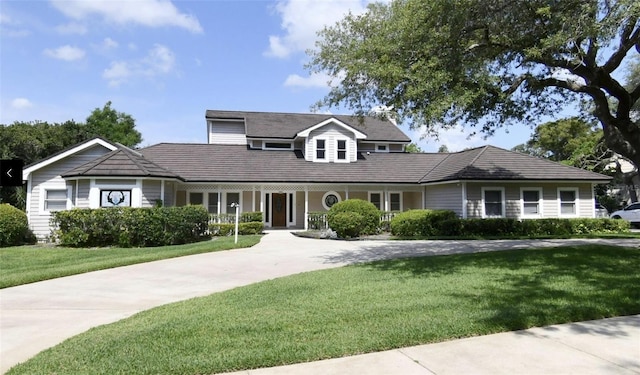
(320, 149)
(342, 149)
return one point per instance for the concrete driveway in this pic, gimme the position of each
(36, 316)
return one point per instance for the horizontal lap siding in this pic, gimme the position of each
(151, 191)
(49, 177)
(550, 204)
(227, 133)
(444, 197)
(331, 133)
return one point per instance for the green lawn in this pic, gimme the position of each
(27, 264)
(358, 309)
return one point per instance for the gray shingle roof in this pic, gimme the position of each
(122, 162)
(287, 125)
(234, 163)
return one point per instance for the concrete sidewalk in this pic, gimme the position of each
(36, 316)
(607, 346)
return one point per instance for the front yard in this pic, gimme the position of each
(358, 309)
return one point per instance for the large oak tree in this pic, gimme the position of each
(487, 64)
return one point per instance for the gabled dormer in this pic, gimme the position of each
(331, 141)
(226, 130)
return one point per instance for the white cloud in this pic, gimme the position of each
(11, 27)
(160, 60)
(71, 28)
(150, 13)
(456, 139)
(66, 53)
(302, 19)
(314, 80)
(21, 103)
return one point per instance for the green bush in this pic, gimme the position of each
(130, 227)
(367, 222)
(420, 222)
(347, 224)
(227, 229)
(14, 227)
(534, 227)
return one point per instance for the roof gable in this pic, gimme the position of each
(66, 153)
(122, 162)
(305, 133)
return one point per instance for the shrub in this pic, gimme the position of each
(420, 222)
(366, 223)
(127, 227)
(347, 224)
(227, 229)
(14, 227)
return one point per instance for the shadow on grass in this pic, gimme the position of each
(533, 288)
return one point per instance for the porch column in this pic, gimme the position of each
(219, 200)
(306, 208)
(162, 191)
(464, 200)
(253, 198)
(346, 192)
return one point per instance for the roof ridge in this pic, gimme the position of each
(484, 148)
(435, 166)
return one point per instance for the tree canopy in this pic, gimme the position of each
(485, 64)
(114, 126)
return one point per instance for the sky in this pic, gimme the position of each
(166, 62)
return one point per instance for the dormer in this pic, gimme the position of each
(226, 131)
(331, 141)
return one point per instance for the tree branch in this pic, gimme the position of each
(628, 40)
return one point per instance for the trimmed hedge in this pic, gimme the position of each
(366, 221)
(226, 229)
(130, 227)
(14, 227)
(422, 223)
(419, 223)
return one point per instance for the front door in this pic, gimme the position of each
(279, 210)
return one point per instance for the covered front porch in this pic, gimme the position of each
(294, 205)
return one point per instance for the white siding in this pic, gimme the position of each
(444, 197)
(83, 194)
(227, 132)
(331, 133)
(150, 192)
(48, 177)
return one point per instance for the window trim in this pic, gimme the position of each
(315, 150)
(347, 155)
(43, 195)
(386, 145)
(576, 202)
(540, 202)
(503, 201)
(381, 193)
(265, 147)
(388, 208)
(324, 197)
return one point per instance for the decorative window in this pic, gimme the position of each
(320, 149)
(376, 199)
(329, 199)
(115, 198)
(56, 199)
(493, 202)
(232, 198)
(341, 150)
(568, 200)
(212, 206)
(395, 201)
(531, 199)
(382, 148)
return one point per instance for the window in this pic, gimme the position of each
(493, 202)
(568, 202)
(232, 198)
(329, 199)
(382, 148)
(342, 149)
(195, 198)
(395, 201)
(213, 203)
(55, 199)
(278, 146)
(320, 149)
(376, 199)
(531, 202)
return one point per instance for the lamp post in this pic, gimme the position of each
(237, 207)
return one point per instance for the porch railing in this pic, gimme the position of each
(318, 220)
(245, 217)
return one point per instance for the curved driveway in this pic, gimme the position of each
(36, 316)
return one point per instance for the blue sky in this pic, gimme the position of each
(165, 63)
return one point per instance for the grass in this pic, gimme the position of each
(27, 264)
(358, 309)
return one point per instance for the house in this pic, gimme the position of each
(288, 165)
